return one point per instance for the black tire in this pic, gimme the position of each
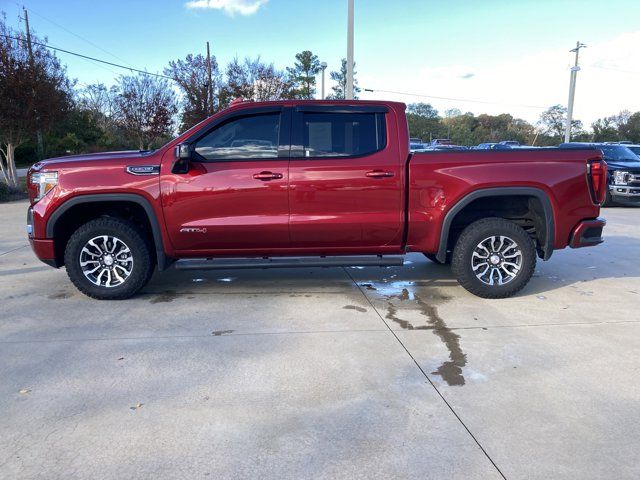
(432, 257)
(142, 258)
(608, 199)
(471, 238)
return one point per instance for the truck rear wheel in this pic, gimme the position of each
(108, 259)
(493, 258)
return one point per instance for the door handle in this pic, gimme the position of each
(379, 174)
(266, 176)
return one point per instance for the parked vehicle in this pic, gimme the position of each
(431, 148)
(492, 146)
(623, 171)
(436, 142)
(310, 183)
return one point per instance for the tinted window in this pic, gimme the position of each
(342, 134)
(617, 152)
(254, 136)
(635, 150)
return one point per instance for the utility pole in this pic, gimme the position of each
(26, 22)
(572, 92)
(209, 104)
(348, 94)
(40, 145)
(323, 66)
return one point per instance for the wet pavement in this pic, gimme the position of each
(323, 373)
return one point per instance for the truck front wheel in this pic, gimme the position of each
(108, 259)
(493, 258)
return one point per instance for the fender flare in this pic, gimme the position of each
(163, 261)
(538, 193)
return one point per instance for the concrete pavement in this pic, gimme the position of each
(323, 373)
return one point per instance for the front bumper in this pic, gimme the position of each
(587, 233)
(44, 248)
(625, 194)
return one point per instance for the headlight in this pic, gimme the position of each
(45, 181)
(620, 177)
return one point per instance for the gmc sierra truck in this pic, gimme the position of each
(311, 183)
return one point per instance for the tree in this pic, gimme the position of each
(35, 93)
(269, 83)
(424, 121)
(623, 126)
(425, 110)
(630, 129)
(144, 108)
(340, 77)
(303, 74)
(553, 122)
(256, 80)
(192, 77)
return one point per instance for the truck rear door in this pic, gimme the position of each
(345, 178)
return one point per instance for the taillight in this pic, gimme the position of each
(597, 174)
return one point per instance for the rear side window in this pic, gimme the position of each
(342, 134)
(242, 138)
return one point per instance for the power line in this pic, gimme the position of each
(131, 69)
(74, 34)
(615, 69)
(454, 99)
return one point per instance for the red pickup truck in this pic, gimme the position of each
(311, 183)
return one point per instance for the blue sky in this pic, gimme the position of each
(513, 53)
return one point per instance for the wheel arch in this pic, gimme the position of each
(102, 199)
(548, 235)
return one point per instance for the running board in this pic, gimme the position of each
(290, 262)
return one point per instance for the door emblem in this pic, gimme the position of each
(193, 230)
(143, 169)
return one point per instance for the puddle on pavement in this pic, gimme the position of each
(423, 297)
(164, 297)
(355, 307)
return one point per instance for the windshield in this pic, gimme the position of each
(619, 152)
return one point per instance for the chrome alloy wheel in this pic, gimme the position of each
(496, 260)
(106, 261)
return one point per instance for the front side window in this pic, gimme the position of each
(342, 134)
(240, 138)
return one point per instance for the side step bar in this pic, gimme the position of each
(290, 262)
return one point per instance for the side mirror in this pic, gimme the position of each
(183, 151)
(183, 155)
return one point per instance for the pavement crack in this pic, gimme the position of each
(477, 442)
(13, 250)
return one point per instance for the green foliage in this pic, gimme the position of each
(37, 96)
(340, 77)
(424, 121)
(9, 193)
(303, 74)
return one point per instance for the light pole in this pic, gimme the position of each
(348, 94)
(572, 92)
(323, 66)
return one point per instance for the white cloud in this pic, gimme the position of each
(607, 82)
(230, 7)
